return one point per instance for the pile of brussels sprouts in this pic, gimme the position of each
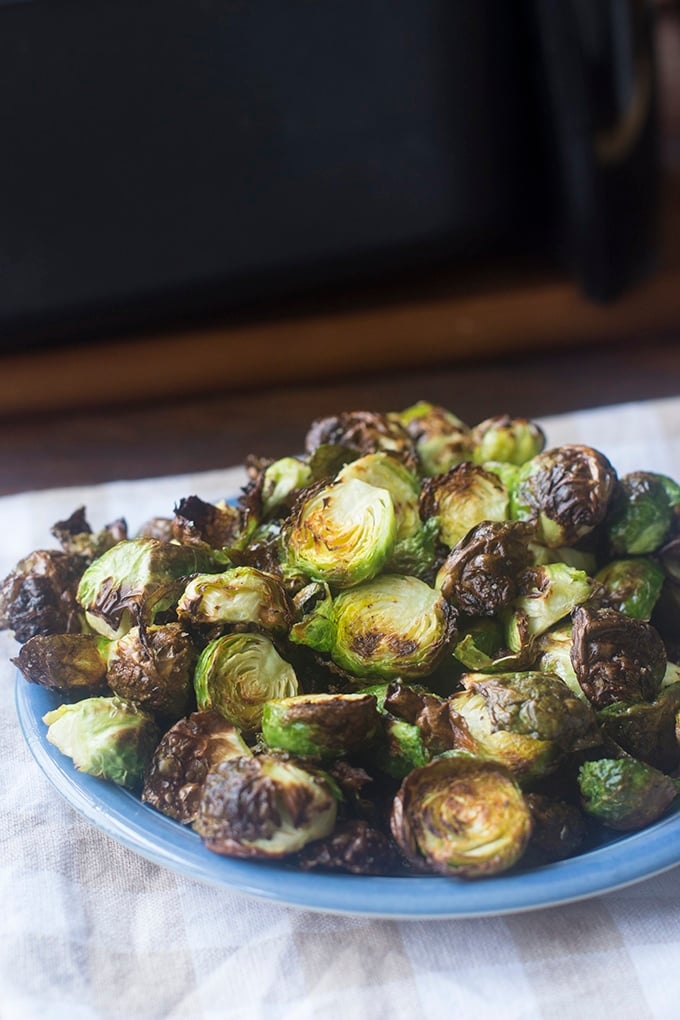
(418, 648)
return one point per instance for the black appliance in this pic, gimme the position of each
(175, 158)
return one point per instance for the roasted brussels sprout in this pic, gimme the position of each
(106, 737)
(615, 657)
(67, 662)
(507, 440)
(441, 439)
(236, 673)
(321, 725)
(264, 807)
(392, 626)
(461, 816)
(342, 533)
(77, 538)
(623, 793)
(117, 586)
(631, 586)
(554, 656)
(438, 726)
(401, 749)
(363, 431)
(215, 524)
(237, 596)
(547, 595)
(646, 729)
(154, 667)
(566, 491)
(176, 774)
(558, 828)
(480, 574)
(281, 480)
(526, 721)
(39, 595)
(463, 497)
(354, 846)
(641, 513)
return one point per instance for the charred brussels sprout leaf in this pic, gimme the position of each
(615, 657)
(363, 431)
(461, 816)
(567, 492)
(546, 595)
(264, 807)
(106, 737)
(646, 729)
(215, 524)
(463, 497)
(236, 596)
(354, 846)
(631, 586)
(154, 667)
(441, 439)
(176, 774)
(77, 538)
(321, 725)
(115, 587)
(623, 793)
(507, 440)
(67, 662)
(641, 513)
(342, 533)
(237, 673)
(39, 595)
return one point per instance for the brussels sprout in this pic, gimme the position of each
(281, 481)
(116, 587)
(403, 748)
(363, 431)
(479, 576)
(239, 595)
(506, 439)
(441, 439)
(64, 661)
(641, 513)
(392, 626)
(463, 497)
(461, 816)
(623, 793)
(631, 586)
(566, 491)
(526, 721)
(154, 667)
(215, 524)
(39, 595)
(546, 595)
(646, 729)
(413, 550)
(615, 657)
(106, 737)
(191, 747)
(264, 807)
(77, 538)
(554, 656)
(354, 846)
(342, 533)
(236, 673)
(480, 643)
(321, 725)
(430, 714)
(558, 828)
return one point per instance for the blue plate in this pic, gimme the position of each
(626, 859)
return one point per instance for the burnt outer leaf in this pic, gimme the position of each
(62, 661)
(176, 775)
(647, 729)
(365, 431)
(355, 846)
(76, 536)
(39, 595)
(480, 574)
(441, 729)
(615, 657)
(154, 668)
(198, 521)
(559, 828)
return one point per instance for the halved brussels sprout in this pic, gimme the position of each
(463, 497)
(264, 807)
(115, 587)
(239, 595)
(106, 737)
(236, 673)
(546, 595)
(363, 431)
(342, 533)
(615, 657)
(461, 816)
(389, 627)
(191, 747)
(64, 661)
(321, 725)
(641, 513)
(441, 439)
(566, 491)
(154, 667)
(623, 793)
(281, 480)
(527, 721)
(507, 440)
(631, 586)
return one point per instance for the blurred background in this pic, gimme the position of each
(208, 207)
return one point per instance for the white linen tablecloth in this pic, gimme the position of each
(89, 930)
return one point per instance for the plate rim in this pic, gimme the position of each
(631, 858)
